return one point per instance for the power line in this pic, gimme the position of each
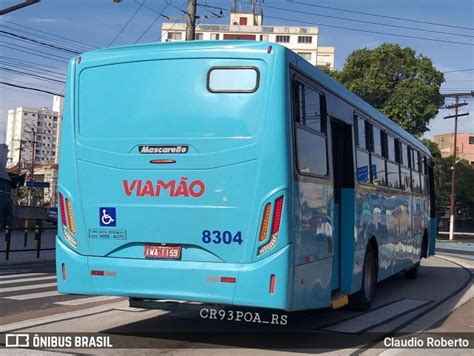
(32, 40)
(40, 85)
(49, 34)
(458, 70)
(29, 88)
(375, 32)
(78, 48)
(33, 64)
(366, 22)
(126, 24)
(159, 14)
(356, 29)
(32, 49)
(31, 75)
(32, 69)
(384, 16)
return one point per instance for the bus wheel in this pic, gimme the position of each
(362, 300)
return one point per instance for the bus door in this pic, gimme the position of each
(343, 173)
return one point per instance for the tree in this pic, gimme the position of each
(403, 86)
(442, 179)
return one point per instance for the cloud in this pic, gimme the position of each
(47, 20)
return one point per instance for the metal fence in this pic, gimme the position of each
(26, 235)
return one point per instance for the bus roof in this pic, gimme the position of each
(242, 49)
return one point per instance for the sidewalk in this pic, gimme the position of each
(17, 255)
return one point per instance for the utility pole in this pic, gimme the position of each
(32, 167)
(455, 106)
(191, 21)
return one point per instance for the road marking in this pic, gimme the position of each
(58, 317)
(13, 272)
(33, 295)
(369, 320)
(87, 300)
(27, 280)
(33, 286)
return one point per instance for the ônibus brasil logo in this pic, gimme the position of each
(173, 188)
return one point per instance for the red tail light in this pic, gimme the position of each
(228, 279)
(275, 227)
(62, 207)
(277, 215)
(272, 284)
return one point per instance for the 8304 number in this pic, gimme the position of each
(218, 237)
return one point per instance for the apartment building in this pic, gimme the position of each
(246, 23)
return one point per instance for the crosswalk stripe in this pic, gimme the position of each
(33, 295)
(34, 279)
(31, 286)
(21, 275)
(375, 317)
(12, 272)
(87, 300)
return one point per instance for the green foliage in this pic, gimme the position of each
(403, 86)
(442, 179)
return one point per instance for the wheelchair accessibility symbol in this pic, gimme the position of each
(107, 217)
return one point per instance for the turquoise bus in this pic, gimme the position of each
(233, 173)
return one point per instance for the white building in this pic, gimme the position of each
(246, 23)
(29, 128)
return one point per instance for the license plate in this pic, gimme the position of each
(163, 252)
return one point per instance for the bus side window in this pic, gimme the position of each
(311, 145)
(415, 174)
(363, 170)
(378, 171)
(393, 173)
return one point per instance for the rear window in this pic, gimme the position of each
(233, 79)
(169, 98)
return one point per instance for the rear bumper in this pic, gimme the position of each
(177, 280)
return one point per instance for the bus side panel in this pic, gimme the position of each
(433, 231)
(314, 245)
(68, 184)
(347, 240)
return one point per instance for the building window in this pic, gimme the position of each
(199, 36)
(215, 36)
(305, 39)
(471, 140)
(243, 21)
(174, 36)
(55, 118)
(305, 55)
(264, 38)
(282, 39)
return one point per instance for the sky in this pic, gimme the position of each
(82, 25)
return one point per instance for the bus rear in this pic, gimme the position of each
(174, 174)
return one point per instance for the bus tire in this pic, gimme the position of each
(362, 300)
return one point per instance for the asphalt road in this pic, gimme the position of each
(29, 303)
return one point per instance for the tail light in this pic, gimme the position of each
(63, 210)
(70, 218)
(277, 212)
(272, 284)
(266, 220)
(277, 215)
